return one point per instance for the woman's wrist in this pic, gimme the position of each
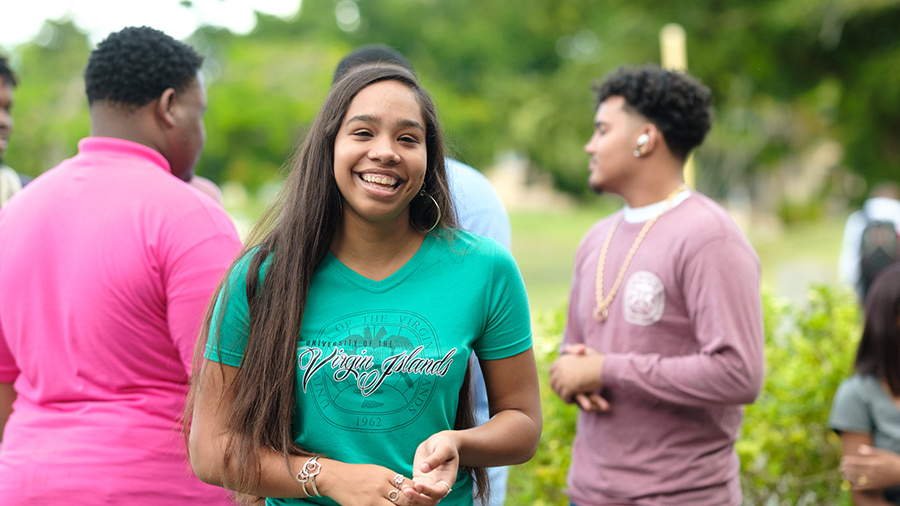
(307, 477)
(454, 439)
(457, 440)
(328, 480)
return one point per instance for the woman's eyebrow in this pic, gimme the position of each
(403, 123)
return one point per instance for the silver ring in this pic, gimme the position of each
(444, 483)
(399, 479)
(393, 495)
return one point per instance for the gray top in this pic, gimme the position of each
(862, 405)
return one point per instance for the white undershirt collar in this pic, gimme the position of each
(644, 213)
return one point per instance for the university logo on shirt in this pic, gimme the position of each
(645, 299)
(374, 370)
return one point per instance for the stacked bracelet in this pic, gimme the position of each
(308, 474)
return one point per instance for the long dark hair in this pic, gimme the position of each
(878, 354)
(294, 235)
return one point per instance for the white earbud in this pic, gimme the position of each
(642, 140)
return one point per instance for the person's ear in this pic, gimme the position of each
(647, 141)
(640, 144)
(165, 106)
(642, 141)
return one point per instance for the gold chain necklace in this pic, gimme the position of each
(601, 312)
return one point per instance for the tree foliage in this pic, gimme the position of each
(788, 77)
(50, 103)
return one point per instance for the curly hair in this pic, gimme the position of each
(134, 66)
(677, 103)
(6, 73)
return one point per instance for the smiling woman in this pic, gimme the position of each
(379, 164)
(338, 346)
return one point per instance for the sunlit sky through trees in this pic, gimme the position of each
(21, 21)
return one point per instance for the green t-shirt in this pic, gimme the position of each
(380, 363)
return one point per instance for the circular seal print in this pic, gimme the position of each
(645, 299)
(373, 371)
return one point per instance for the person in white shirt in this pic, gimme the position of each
(883, 204)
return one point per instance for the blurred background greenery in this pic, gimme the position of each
(805, 90)
(807, 110)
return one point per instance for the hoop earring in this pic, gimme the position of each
(436, 206)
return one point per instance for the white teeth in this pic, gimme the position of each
(379, 179)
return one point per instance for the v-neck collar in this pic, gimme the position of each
(404, 272)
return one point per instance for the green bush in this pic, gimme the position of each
(542, 480)
(788, 455)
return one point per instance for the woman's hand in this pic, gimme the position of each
(435, 465)
(371, 485)
(871, 469)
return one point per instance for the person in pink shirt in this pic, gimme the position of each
(107, 264)
(664, 339)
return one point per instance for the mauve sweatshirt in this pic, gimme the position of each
(684, 351)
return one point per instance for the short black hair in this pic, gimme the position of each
(372, 53)
(6, 73)
(134, 66)
(677, 103)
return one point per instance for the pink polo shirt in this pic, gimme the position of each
(107, 264)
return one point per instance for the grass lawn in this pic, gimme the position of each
(544, 244)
